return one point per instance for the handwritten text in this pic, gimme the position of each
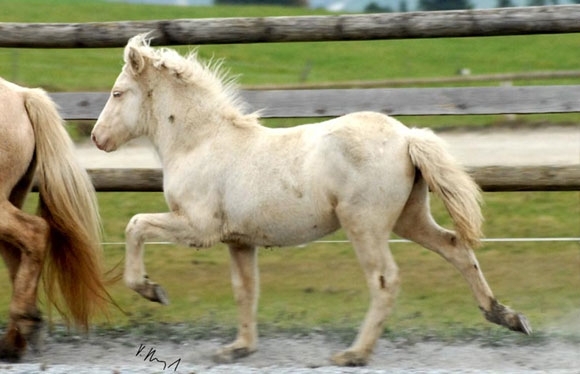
(149, 355)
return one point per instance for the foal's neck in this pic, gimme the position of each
(183, 131)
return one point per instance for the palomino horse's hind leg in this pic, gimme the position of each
(245, 285)
(12, 344)
(29, 235)
(382, 276)
(417, 224)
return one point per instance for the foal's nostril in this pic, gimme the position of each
(95, 141)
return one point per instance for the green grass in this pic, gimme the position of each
(96, 69)
(275, 62)
(321, 285)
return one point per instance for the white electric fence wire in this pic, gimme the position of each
(487, 240)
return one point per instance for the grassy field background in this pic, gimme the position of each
(321, 285)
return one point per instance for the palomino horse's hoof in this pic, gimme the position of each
(10, 353)
(350, 358)
(27, 331)
(12, 346)
(35, 336)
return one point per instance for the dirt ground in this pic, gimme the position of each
(296, 354)
(127, 353)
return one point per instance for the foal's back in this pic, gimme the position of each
(357, 142)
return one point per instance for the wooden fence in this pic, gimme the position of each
(334, 102)
(396, 101)
(412, 25)
(391, 101)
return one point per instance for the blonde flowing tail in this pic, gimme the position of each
(460, 194)
(73, 275)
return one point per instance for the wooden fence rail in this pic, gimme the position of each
(412, 25)
(392, 101)
(489, 178)
(399, 101)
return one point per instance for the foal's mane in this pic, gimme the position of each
(190, 70)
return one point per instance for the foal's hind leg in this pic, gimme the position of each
(24, 237)
(370, 242)
(246, 288)
(417, 224)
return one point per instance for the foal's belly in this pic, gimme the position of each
(299, 234)
(286, 229)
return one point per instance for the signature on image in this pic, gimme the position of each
(149, 355)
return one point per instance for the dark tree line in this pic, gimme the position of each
(426, 5)
(444, 4)
(433, 5)
(302, 3)
(374, 7)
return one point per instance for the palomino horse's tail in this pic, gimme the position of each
(460, 194)
(73, 275)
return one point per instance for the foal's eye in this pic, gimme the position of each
(117, 94)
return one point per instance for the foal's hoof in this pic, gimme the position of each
(152, 291)
(229, 354)
(350, 358)
(521, 324)
(505, 316)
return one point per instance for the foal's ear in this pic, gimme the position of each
(135, 60)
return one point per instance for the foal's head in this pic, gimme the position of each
(122, 117)
(152, 86)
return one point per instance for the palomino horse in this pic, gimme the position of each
(228, 179)
(64, 239)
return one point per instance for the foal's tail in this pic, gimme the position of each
(460, 194)
(68, 203)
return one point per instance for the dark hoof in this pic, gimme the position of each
(160, 295)
(36, 337)
(12, 346)
(227, 355)
(504, 316)
(350, 359)
(10, 354)
(154, 292)
(521, 324)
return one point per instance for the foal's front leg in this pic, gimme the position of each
(245, 284)
(142, 227)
